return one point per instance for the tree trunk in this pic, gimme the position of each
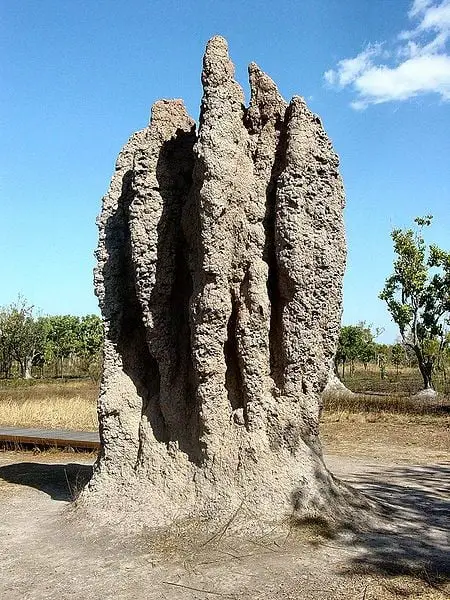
(28, 365)
(426, 370)
(22, 364)
(8, 369)
(425, 367)
(216, 351)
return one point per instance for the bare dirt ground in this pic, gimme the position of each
(49, 554)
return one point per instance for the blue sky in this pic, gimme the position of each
(77, 78)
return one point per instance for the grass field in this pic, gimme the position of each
(404, 382)
(72, 403)
(51, 404)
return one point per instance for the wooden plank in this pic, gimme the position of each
(50, 437)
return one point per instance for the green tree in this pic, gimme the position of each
(90, 336)
(63, 339)
(417, 295)
(356, 342)
(397, 355)
(6, 357)
(22, 337)
(382, 353)
(367, 350)
(27, 340)
(90, 342)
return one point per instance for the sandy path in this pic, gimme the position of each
(45, 555)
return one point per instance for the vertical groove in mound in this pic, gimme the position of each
(265, 120)
(276, 354)
(163, 176)
(233, 374)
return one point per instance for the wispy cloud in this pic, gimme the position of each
(351, 68)
(419, 6)
(417, 62)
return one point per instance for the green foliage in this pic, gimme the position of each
(73, 336)
(90, 329)
(90, 345)
(27, 340)
(397, 355)
(22, 337)
(62, 338)
(356, 342)
(417, 295)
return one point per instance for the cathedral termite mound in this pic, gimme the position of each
(219, 276)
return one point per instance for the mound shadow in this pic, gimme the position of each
(62, 482)
(415, 538)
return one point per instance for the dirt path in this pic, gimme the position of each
(46, 555)
(392, 439)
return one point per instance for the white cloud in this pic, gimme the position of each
(420, 61)
(349, 69)
(436, 17)
(418, 7)
(435, 22)
(415, 76)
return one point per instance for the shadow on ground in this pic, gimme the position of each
(61, 482)
(419, 502)
(418, 498)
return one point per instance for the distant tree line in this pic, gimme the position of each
(357, 344)
(44, 346)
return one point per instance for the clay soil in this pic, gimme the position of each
(47, 553)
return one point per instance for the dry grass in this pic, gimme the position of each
(404, 382)
(395, 440)
(385, 407)
(60, 405)
(71, 404)
(385, 427)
